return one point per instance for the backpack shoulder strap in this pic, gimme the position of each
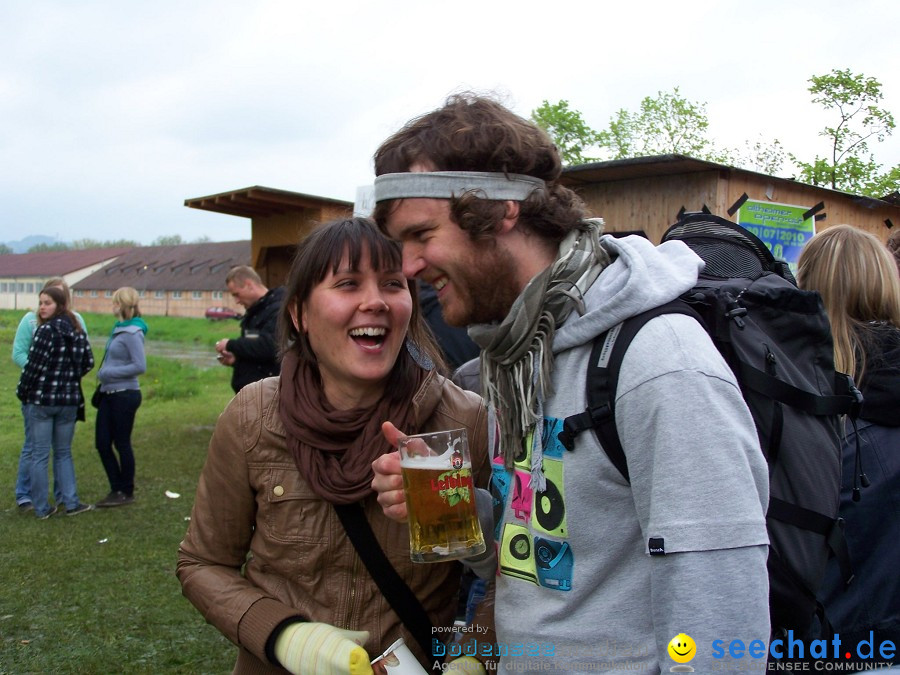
(603, 378)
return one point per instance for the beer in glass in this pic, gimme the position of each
(440, 496)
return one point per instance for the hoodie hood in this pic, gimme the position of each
(642, 276)
(130, 326)
(62, 326)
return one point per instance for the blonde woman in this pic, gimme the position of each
(120, 396)
(857, 279)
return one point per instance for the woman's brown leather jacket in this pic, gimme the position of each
(255, 513)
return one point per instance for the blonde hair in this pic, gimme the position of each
(57, 282)
(857, 279)
(127, 300)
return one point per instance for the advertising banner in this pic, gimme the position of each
(780, 226)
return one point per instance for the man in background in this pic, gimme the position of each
(453, 340)
(254, 355)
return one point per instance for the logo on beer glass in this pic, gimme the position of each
(453, 487)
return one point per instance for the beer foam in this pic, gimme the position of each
(434, 462)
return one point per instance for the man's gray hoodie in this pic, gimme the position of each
(578, 587)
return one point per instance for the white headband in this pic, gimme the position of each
(450, 184)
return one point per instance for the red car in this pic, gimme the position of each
(220, 313)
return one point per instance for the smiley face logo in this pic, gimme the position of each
(682, 648)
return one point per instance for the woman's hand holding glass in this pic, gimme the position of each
(388, 481)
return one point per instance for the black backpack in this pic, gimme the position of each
(777, 340)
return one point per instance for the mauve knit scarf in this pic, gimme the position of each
(334, 449)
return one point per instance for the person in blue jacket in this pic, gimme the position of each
(120, 396)
(857, 279)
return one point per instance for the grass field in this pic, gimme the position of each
(97, 593)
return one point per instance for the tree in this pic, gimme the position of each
(851, 167)
(46, 248)
(5, 250)
(171, 240)
(762, 156)
(568, 130)
(667, 124)
(82, 244)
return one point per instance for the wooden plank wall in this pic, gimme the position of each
(651, 203)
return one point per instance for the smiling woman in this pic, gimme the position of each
(292, 453)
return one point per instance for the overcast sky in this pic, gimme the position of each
(113, 112)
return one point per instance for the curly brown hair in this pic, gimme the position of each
(475, 133)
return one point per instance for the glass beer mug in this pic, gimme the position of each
(440, 496)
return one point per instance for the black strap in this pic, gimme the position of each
(814, 404)
(795, 515)
(403, 601)
(831, 528)
(603, 378)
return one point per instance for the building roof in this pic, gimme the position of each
(635, 167)
(55, 263)
(664, 165)
(260, 201)
(186, 267)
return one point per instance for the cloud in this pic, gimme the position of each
(115, 112)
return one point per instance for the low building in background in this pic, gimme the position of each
(22, 275)
(183, 280)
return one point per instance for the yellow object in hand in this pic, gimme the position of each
(321, 648)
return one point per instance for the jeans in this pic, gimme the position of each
(115, 420)
(23, 478)
(52, 426)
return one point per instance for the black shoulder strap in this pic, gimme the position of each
(603, 378)
(398, 594)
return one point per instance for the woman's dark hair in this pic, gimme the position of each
(473, 133)
(320, 254)
(61, 298)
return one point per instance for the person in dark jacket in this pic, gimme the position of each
(254, 355)
(454, 342)
(50, 389)
(856, 276)
(120, 397)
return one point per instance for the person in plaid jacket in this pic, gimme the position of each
(50, 388)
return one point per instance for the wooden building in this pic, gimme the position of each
(279, 220)
(646, 194)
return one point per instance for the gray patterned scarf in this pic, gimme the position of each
(517, 356)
